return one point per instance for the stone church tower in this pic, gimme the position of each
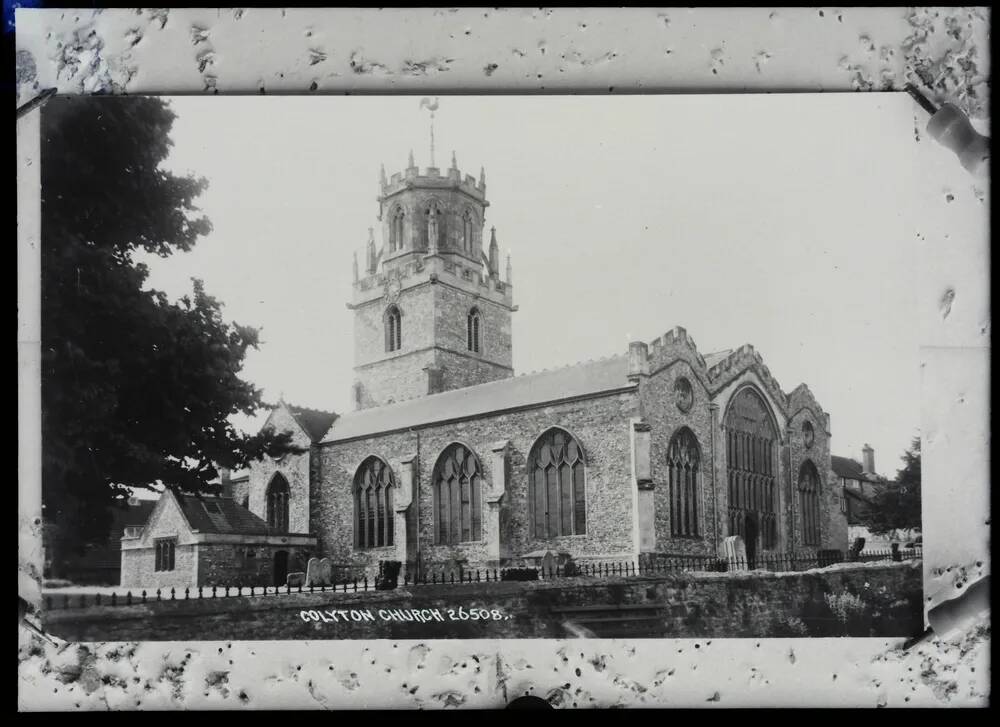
(431, 312)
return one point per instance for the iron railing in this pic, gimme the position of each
(647, 566)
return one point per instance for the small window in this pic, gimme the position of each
(683, 394)
(212, 507)
(474, 324)
(393, 330)
(808, 434)
(165, 554)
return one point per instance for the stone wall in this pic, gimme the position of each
(819, 454)
(882, 600)
(139, 555)
(601, 426)
(451, 309)
(139, 568)
(234, 563)
(659, 405)
(294, 468)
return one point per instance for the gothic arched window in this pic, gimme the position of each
(557, 500)
(473, 326)
(373, 513)
(393, 329)
(751, 468)
(396, 230)
(684, 476)
(809, 503)
(277, 503)
(468, 231)
(458, 486)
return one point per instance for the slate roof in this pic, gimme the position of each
(713, 358)
(578, 380)
(128, 516)
(314, 422)
(230, 519)
(846, 467)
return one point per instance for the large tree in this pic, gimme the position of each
(897, 505)
(136, 389)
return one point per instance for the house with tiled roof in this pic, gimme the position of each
(205, 540)
(860, 484)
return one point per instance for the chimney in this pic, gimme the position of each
(868, 459)
(227, 481)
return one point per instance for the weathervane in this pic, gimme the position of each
(431, 106)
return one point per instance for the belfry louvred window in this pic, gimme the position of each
(684, 477)
(393, 329)
(277, 504)
(373, 513)
(396, 230)
(556, 486)
(809, 492)
(458, 498)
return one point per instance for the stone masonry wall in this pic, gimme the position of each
(139, 568)
(601, 426)
(294, 468)
(662, 413)
(819, 455)
(451, 310)
(139, 556)
(222, 564)
(887, 600)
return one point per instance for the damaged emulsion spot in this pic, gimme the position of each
(946, 302)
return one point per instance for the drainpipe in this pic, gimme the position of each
(418, 564)
(714, 409)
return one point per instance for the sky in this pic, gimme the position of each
(769, 219)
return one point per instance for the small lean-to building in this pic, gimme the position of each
(205, 540)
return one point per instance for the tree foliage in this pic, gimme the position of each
(136, 389)
(897, 505)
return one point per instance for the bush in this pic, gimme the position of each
(388, 575)
(519, 574)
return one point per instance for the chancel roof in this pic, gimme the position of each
(314, 422)
(579, 380)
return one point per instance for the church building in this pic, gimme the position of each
(450, 458)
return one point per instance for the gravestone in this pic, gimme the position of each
(856, 547)
(735, 552)
(296, 579)
(319, 572)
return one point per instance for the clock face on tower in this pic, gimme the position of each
(393, 287)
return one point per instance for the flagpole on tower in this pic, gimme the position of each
(432, 106)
